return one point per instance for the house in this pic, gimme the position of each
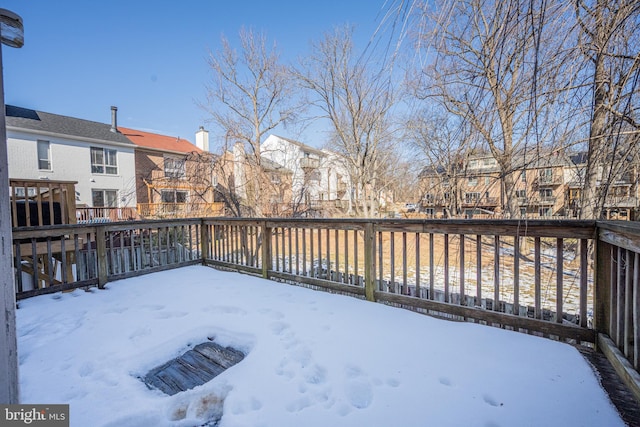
(252, 185)
(51, 147)
(174, 178)
(319, 179)
(547, 184)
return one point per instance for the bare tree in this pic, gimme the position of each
(609, 38)
(442, 144)
(249, 95)
(488, 69)
(357, 97)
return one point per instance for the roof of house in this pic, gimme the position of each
(304, 147)
(28, 119)
(159, 142)
(270, 165)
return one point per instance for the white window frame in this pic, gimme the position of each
(174, 167)
(173, 194)
(47, 144)
(105, 199)
(108, 165)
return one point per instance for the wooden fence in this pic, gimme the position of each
(575, 281)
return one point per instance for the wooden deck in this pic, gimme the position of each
(193, 368)
(621, 397)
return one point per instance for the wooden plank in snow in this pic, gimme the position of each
(193, 368)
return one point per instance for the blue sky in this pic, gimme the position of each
(148, 58)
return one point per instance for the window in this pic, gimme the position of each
(104, 198)
(488, 162)
(44, 155)
(523, 176)
(471, 197)
(546, 172)
(429, 211)
(545, 211)
(521, 194)
(487, 180)
(174, 196)
(546, 176)
(546, 193)
(473, 164)
(174, 167)
(103, 160)
(472, 181)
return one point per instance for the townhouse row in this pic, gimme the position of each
(546, 185)
(119, 173)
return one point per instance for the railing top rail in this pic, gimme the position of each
(40, 182)
(113, 226)
(627, 227)
(584, 229)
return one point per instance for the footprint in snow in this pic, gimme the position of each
(445, 381)
(359, 393)
(489, 400)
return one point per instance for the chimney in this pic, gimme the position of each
(202, 139)
(114, 119)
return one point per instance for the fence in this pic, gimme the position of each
(576, 281)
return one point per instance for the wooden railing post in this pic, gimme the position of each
(267, 262)
(601, 293)
(101, 250)
(205, 236)
(369, 262)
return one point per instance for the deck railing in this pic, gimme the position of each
(88, 215)
(576, 281)
(42, 202)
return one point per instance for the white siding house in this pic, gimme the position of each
(96, 155)
(319, 177)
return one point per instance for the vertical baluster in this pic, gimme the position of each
(462, 294)
(628, 306)
(327, 231)
(277, 249)
(516, 275)
(312, 270)
(304, 251)
(431, 272)
(405, 288)
(392, 242)
(446, 268)
(636, 311)
(356, 260)
(337, 251)
(380, 268)
(346, 256)
(297, 252)
(478, 270)
(537, 279)
(290, 251)
(417, 244)
(496, 273)
(619, 313)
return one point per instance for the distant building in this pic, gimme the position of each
(174, 178)
(319, 179)
(45, 146)
(547, 185)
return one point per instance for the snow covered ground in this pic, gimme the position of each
(313, 359)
